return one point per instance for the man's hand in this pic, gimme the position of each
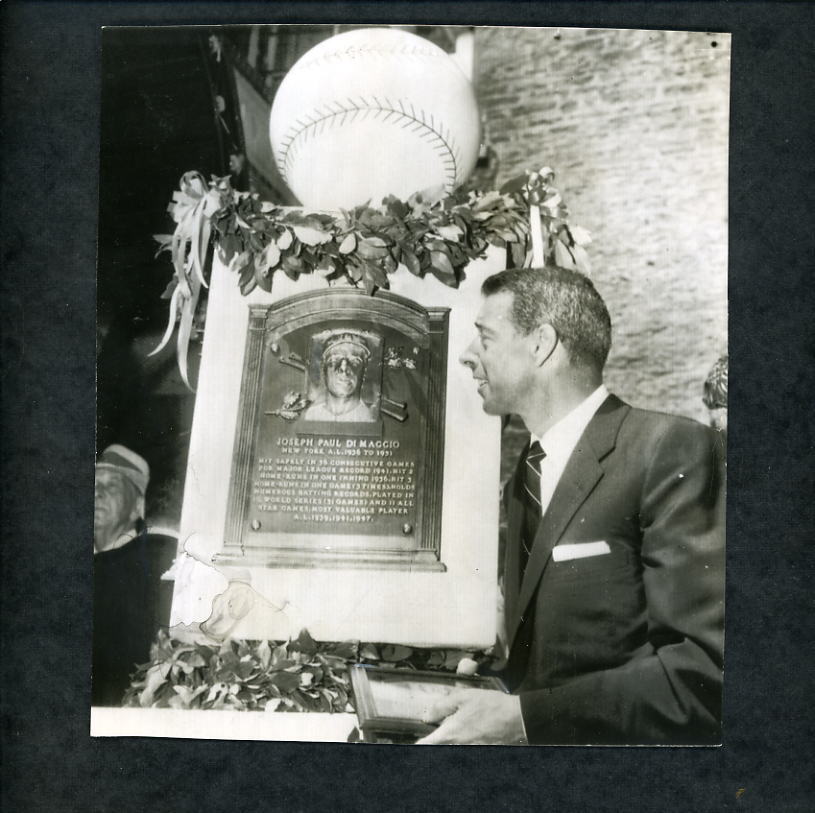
(475, 716)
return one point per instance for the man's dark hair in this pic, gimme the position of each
(567, 300)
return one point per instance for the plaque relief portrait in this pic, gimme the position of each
(343, 358)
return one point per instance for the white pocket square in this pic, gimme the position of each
(580, 550)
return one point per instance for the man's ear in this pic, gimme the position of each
(544, 342)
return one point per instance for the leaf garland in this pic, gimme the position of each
(301, 675)
(430, 233)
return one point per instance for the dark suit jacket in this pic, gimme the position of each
(130, 604)
(624, 647)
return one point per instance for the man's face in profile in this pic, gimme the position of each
(116, 505)
(343, 374)
(500, 357)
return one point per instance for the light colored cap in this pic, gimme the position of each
(127, 462)
(349, 344)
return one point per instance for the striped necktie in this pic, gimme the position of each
(532, 501)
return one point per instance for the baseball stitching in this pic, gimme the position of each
(337, 113)
(420, 51)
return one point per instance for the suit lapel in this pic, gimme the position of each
(579, 478)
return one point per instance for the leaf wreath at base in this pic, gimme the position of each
(302, 675)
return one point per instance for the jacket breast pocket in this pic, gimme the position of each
(617, 564)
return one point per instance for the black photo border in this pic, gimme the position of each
(50, 142)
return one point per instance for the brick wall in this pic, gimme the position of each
(635, 124)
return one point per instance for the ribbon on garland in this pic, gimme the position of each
(192, 206)
(550, 235)
(535, 194)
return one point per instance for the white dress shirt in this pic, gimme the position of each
(559, 441)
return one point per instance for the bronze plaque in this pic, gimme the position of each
(340, 436)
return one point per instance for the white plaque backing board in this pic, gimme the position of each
(456, 607)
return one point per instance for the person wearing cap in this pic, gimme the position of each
(714, 395)
(120, 485)
(344, 362)
(131, 601)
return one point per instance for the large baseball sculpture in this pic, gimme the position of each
(370, 113)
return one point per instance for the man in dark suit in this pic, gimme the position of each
(614, 565)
